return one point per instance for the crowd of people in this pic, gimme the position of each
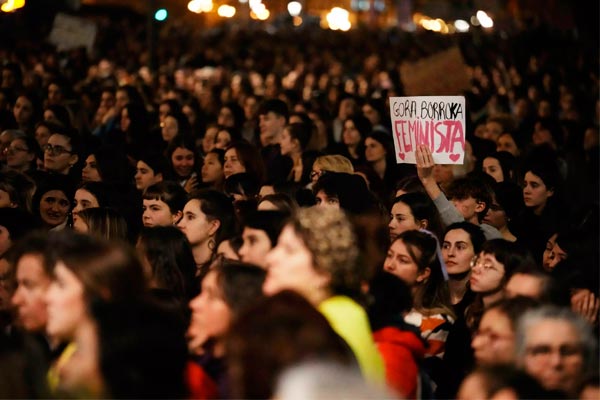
(234, 224)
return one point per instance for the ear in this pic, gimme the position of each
(423, 276)
(480, 206)
(158, 177)
(550, 192)
(176, 217)
(214, 227)
(73, 159)
(423, 223)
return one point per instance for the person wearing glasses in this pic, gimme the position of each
(61, 153)
(490, 271)
(493, 342)
(557, 347)
(22, 153)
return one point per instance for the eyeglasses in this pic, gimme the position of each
(545, 351)
(56, 150)
(486, 265)
(13, 150)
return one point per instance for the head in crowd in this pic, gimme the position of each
(182, 157)
(242, 186)
(90, 195)
(557, 347)
(541, 181)
(408, 184)
(16, 190)
(103, 222)
(503, 382)
(166, 107)
(275, 333)
(22, 153)
(462, 241)
(294, 138)
(547, 131)
(229, 288)
(26, 110)
(107, 164)
(225, 136)
(414, 211)
(174, 123)
(330, 163)
(413, 257)
(58, 114)
(500, 166)
(379, 146)
(260, 233)
(494, 340)
(231, 115)
(163, 204)
(230, 248)
(278, 201)
(168, 261)
(43, 131)
(494, 265)
(212, 168)
(210, 135)
(62, 151)
(87, 269)
(52, 201)
(472, 197)
(356, 128)
(241, 156)
(507, 142)
(507, 204)
(316, 255)
(208, 219)
(33, 277)
(532, 281)
(273, 115)
(348, 192)
(150, 169)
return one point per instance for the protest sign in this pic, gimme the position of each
(437, 121)
(69, 32)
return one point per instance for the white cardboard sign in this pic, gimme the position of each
(437, 121)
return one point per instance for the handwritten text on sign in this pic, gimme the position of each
(437, 121)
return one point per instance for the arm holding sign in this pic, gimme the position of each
(448, 213)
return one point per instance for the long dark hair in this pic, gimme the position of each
(171, 259)
(422, 208)
(433, 296)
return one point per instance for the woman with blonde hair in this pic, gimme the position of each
(330, 163)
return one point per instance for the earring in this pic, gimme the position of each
(211, 244)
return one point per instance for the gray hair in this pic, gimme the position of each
(587, 340)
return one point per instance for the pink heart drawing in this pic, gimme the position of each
(454, 157)
(401, 155)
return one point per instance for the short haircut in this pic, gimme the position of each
(168, 191)
(472, 187)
